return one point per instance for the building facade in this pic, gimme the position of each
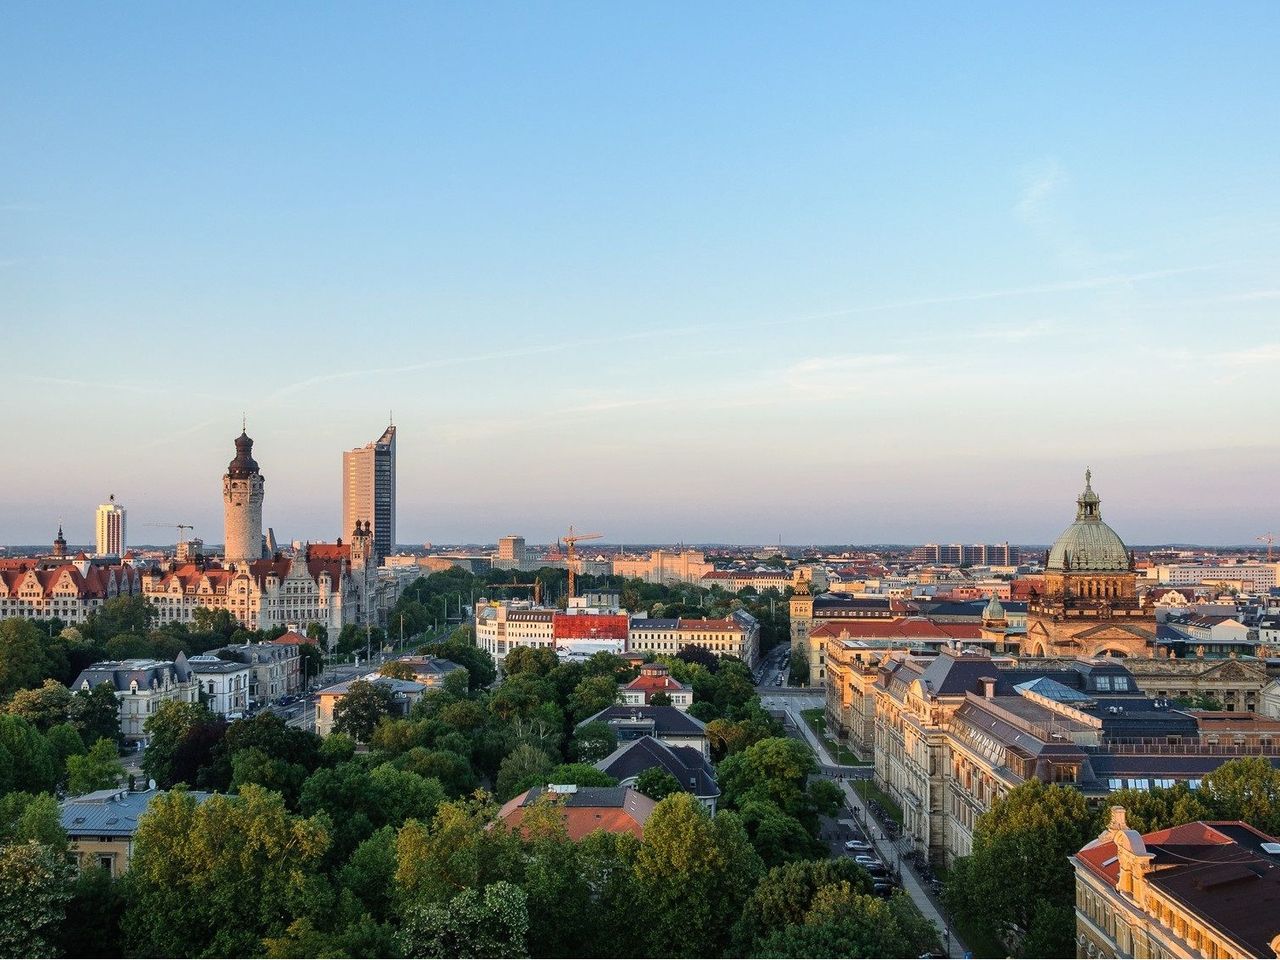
(109, 523)
(140, 686)
(222, 685)
(1089, 603)
(68, 590)
(1195, 890)
(369, 490)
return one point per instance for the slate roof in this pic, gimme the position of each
(109, 813)
(686, 764)
(667, 721)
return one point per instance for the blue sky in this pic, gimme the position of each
(846, 272)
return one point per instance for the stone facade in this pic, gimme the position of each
(242, 494)
(1089, 604)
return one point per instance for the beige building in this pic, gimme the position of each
(737, 635)
(1236, 683)
(242, 493)
(101, 826)
(1196, 890)
(511, 553)
(369, 490)
(275, 669)
(501, 626)
(329, 584)
(404, 694)
(140, 686)
(664, 566)
(69, 590)
(109, 524)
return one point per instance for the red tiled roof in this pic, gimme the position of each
(581, 820)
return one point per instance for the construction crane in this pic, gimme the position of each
(569, 540)
(1269, 539)
(182, 537)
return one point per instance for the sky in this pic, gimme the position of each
(732, 272)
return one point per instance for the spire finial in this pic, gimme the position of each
(1088, 477)
(244, 422)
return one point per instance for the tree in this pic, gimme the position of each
(122, 614)
(398, 670)
(215, 878)
(842, 922)
(594, 741)
(358, 711)
(23, 660)
(179, 742)
(785, 894)
(35, 887)
(1030, 833)
(27, 762)
(523, 768)
(705, 658)
(44, 706)
(99, 769)
(358, 801)
(494, 923)
(696, 873)
(593, 695)
(775, 770)
(1158, 808)
(96, 713)
(536, 660)
(657, 784)
(1248, 789)
(582, 775)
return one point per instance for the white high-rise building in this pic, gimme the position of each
(110, 520)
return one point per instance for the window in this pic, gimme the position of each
(1103, 683)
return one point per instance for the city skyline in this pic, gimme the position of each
(849, 301)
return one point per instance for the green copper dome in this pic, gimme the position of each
(994, 609)
(1089, 545)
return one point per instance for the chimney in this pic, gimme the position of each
(988, 687)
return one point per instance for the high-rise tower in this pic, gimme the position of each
(110, 527)
(369, 491)
(242, 504)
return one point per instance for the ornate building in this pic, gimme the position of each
(1089, 603)
(242, 504)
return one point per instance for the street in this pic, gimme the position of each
(856, 821)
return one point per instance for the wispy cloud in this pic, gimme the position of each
(1250, 296)
(1039, 189)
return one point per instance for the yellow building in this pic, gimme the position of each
(101, 825)
(1195, 890)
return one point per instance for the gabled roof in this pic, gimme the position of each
(667, 721)
(587, 809)
(687, 765)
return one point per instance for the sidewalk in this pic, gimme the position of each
(888, 852)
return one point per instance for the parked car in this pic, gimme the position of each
(882, 888)
(870, 864)
(859, 846)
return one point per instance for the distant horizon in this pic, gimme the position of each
(709, 545)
